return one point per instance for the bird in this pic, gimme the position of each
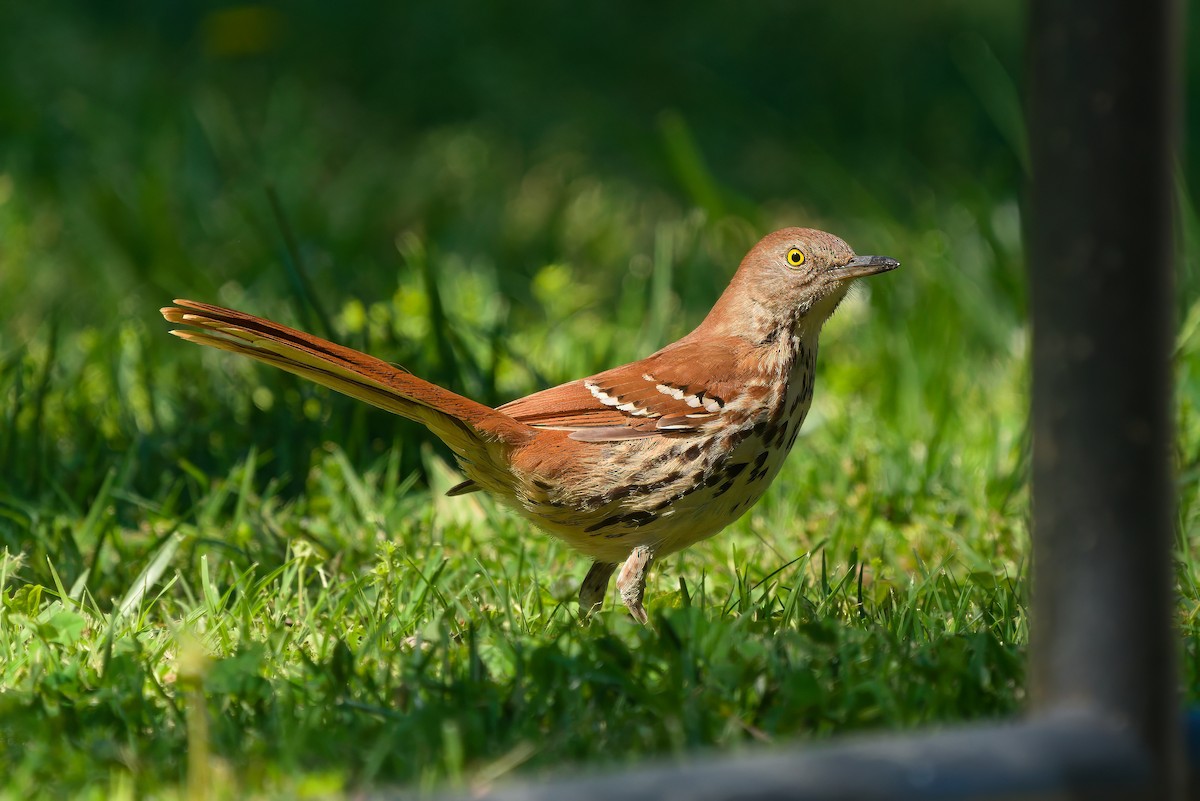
(632, 464)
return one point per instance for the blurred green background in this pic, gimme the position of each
(502, 197)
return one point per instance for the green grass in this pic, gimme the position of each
(218, 579)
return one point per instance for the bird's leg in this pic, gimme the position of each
(631, 582)
(594, 587)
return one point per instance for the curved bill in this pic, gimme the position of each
(863, 265)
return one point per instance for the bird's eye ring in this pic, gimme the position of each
(795, 257)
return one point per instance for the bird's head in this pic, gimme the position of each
(792, 277)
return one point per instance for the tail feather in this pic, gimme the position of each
(463, 488)
(462, 423)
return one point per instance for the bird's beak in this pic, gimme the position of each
(863, 265)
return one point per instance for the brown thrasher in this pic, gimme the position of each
(639, 461)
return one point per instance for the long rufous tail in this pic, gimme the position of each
(464, 425)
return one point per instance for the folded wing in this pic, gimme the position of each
(657, 396)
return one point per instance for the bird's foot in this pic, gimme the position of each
(631, 582)
(594, 588)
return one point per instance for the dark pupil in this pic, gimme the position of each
(794, 257)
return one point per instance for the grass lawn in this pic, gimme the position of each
(217, 579)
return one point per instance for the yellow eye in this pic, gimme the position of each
(795, 257)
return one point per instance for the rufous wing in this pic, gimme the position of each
(678, 390)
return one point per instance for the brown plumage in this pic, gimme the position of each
(633, 463)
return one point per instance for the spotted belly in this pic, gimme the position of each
(669, 493)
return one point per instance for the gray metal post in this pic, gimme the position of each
(1102, 119)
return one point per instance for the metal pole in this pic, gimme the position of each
(1064, 758)
(1102, 120)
